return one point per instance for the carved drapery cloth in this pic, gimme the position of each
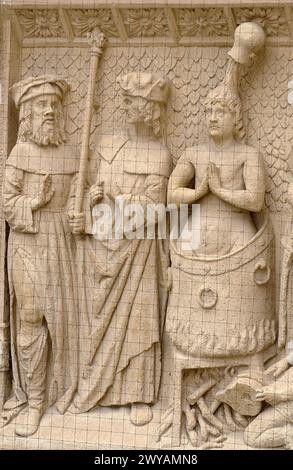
(122, 286)
(41, 280)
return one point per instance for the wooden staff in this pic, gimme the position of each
(287, 243)
(97, 41)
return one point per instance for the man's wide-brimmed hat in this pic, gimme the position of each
(151, 86)
(37, 86)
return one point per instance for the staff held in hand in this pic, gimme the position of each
(97, 41)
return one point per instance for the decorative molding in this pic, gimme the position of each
(230, 20)
(16, 26)
(119, 24)
(145, 22)
(84, 21)
(171, 19)
(289, 17)
(273, 20)
(202, 22)
(66, 23)
(128, 25)
(40, 23)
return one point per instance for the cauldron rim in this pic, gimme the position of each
(265, 226)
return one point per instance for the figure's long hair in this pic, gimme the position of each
(27, 134)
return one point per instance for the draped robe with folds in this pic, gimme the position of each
(41, 273)
(122, 283)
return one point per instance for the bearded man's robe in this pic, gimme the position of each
(41, 272)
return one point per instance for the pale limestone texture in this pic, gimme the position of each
(43, 304)
(123, 282)
(149, 342)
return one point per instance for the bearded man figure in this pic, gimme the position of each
(43, 323)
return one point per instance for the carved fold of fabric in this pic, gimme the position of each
(122, 324)
(42, 292)
(33, 352)
(17, 207)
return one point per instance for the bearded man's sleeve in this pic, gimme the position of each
(17, 207)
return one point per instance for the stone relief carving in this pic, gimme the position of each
(202, 21)
(40, 259)
(146, 22)
(100, 322)
(126, 22)
(40, 23)
(273, 427)
(273, 20)
(84, 22)
(202, 318)
(124, 292)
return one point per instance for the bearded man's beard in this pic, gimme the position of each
(42, 135)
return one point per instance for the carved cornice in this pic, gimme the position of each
(172, 25)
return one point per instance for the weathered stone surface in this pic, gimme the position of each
(109, 321)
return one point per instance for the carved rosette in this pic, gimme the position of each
(145, 22)
(150, 22)
(85, 21)
(202, 22)
(40, 23)
(273, 20)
